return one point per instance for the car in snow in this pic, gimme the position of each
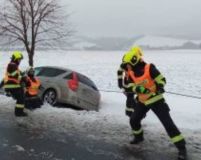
(61, 85)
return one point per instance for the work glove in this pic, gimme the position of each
(8, 94)
(41, 87)
(129, 113)
(160, 89)
(142, 90)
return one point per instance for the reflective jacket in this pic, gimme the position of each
(33, 89)
(149, 83)
(124, 80)
(12, 76)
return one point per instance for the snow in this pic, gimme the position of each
(180, 67)
(19, 148)
(161, 41)
(83, 45)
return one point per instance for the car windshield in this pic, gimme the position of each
(37, 70)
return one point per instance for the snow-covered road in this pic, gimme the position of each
(108, 126)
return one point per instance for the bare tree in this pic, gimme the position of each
(33, 22)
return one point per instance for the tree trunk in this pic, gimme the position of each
(31, 59)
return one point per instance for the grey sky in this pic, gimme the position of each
(134, 17)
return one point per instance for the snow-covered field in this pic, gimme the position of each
(161, 41)
(180, 67)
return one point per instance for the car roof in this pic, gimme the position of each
(63, 68)
(68, 70)
(56, 67)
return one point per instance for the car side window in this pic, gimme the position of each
(51, 72)
(86, 81)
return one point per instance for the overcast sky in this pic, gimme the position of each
(134, 17)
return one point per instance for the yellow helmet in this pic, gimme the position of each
(133, 56)
(137, 50)
(17, 55)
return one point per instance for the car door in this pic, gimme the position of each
(46, 75)
(49, 78)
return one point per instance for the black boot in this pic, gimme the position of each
(137, 139)
(19, 112)
(182, 155)
(181, 146)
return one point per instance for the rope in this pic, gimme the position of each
(184, 95)
(174, 93)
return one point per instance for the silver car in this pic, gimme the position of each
(61, 85)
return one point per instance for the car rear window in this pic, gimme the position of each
(86, 81)
(50, 72)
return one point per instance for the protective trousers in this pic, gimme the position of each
(130, 104)
(161, 110)
(18, 95)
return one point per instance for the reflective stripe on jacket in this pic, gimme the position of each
(9, 78)
(146, 81)
(34, 86)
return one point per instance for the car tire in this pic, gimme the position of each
(50, 97)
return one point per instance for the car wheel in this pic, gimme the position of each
(50, 97)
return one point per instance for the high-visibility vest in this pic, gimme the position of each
(34, 86)
(8, 77)
(146, 81)
(15, 82)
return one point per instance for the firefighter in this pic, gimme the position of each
(125, 83)
(149, 87)
(12, 83)
(33, 84)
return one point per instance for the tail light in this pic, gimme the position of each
(73, 83)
